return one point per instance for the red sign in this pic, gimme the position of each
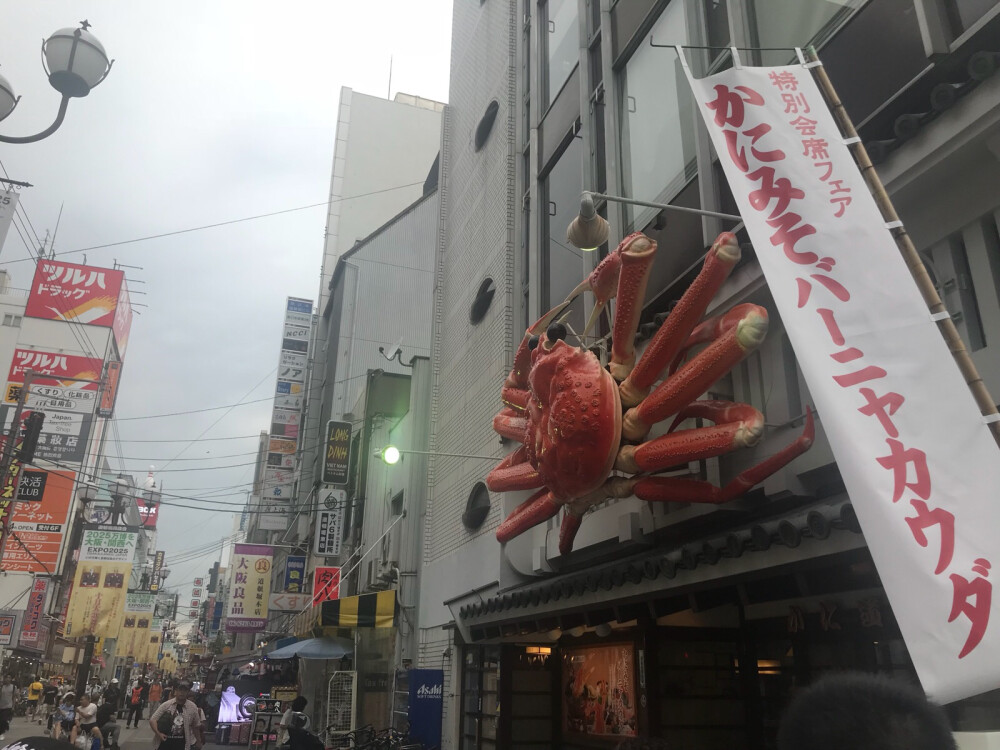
(36, 528)
(148, 512)
(110, 390)
(75, 293)
(62, 369)
(326, 584)
(33, 630)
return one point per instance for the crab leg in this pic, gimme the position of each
(709, 330)
(541, 506)
(680, 490)
(671, 336)
(510, 424)
(737, 426)
(697, 375)
(514, 473)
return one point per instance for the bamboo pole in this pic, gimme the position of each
(910, 255)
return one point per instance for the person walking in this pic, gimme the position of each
(34, 693)
(177, 722)
(50, 696)
(66, 716)
(113, 694)
(136, 702)
(155, 696)
(6, 704)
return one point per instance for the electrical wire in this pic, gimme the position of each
(195, 411)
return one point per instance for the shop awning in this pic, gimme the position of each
(314, 648)
(378, 610)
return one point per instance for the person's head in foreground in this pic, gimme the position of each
(863, 712)
(299, 703)
(181, 693)
(36, 743)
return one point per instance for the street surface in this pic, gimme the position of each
(129, 739)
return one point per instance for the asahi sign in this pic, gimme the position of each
(337, 457)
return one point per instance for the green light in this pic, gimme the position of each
(391, 454)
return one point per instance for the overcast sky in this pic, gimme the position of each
(213, 111)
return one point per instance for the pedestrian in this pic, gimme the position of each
(86, 721)
(290, 719)
(113, 693)
(108, 722)
(34, 693)
(863, 712)
(155, 695)
(136, 702)
(176, 722)
(66, 716)
(50, 696)
(6, 704)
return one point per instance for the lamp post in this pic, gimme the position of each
(120, 490)
(392, 455)
(75, 62)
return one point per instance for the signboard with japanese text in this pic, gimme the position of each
(97, 603)
(8, 205)
(46, 397)
(337, 454)
(37, 527)
(31, 487)
(109, 390)
(295, 332)
(74, 293)
(326, 584)
(295, 572)
(9, 629)
(151, 652)
(289, 602)
(281, 460)
(251, 586)
(329, 529)
(54, 368)
(281, 445)
(289, 402)
(918, 461)
(199, 581)
(136, 622)
(272, 514)
(196, 592)
(64, 436)
(34, 632)
(154, 578)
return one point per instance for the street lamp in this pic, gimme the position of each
(119, 491)
(75, 62)
(392, 455)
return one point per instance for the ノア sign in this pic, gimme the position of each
(337, 457)
(917, 459)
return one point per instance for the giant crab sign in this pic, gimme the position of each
(583, 427)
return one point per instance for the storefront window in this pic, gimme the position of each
(562, 45)
(792, 23)
(562, 264)
(657, 134)
(480, 697)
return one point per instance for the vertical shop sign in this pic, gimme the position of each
(337, 457)
(326, 584)
(426, 705)
(295, 570)
(32, 625)
(250, 589)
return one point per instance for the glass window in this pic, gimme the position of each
(793, 23)
(657, 133)
(562, 46)
(562, 264)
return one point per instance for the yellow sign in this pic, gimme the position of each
(97, 604)
(152, 649)
(133, 637)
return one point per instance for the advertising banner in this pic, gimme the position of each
(8, 205)
(151, 652)
(250, 589)
(37, 528)
(426, 706)
(64, 435)
(133, 636)
(149, 512)
(326, 584)
(280, 445)
(9, 628)
(122, 325)
(53, 368)
(288, 602)
(109, 390)
(34, 631)
(917, 458)
(337, 457)
(273, 514)
(97, 603)
(295, 572)
(599, 695)
(329, 529)
(74, 293)
(154, 578)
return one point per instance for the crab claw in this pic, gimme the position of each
(538, 508)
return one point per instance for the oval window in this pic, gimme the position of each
(477, 508)
(484, 297)
(486, 124)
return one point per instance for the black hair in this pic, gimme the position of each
(299, 703)
(864, 712)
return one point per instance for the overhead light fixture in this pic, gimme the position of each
(391, 455)
(588, 231)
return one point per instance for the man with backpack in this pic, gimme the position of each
(136, 702)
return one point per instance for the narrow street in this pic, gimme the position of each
(140, 738)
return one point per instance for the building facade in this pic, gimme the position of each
(695, 623)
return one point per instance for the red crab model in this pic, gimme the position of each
(567, 409)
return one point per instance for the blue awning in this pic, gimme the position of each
(314, 648)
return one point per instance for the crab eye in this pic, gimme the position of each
(532, 343)
(555, 332)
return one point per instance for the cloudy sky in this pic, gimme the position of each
(212, 112)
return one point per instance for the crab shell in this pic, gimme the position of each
(574, 419)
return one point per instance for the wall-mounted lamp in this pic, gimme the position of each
(392, 455)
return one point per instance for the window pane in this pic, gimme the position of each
(563, 46)
(658, 147)
(563, 262)
(717, 23)
(793, 23)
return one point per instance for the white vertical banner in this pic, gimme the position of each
(919, 463)
(8, 204)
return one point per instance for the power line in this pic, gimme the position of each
(224, 223)
(196, 411)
